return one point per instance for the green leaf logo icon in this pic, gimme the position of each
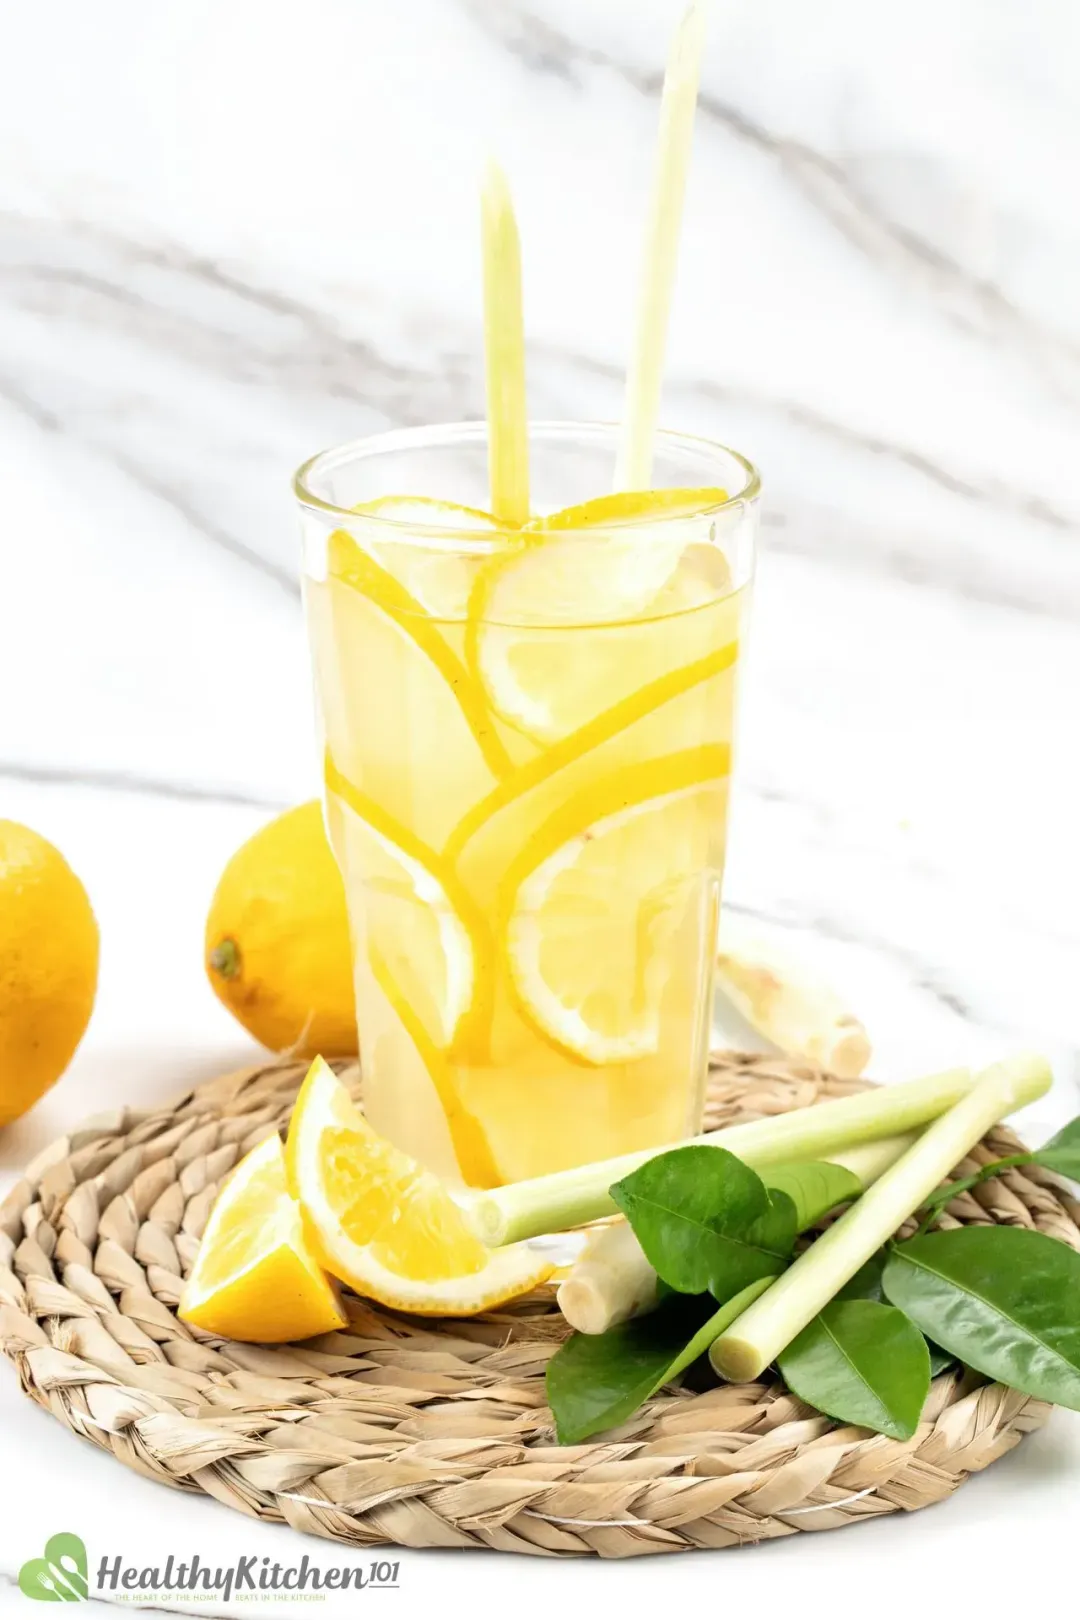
(59, 1577)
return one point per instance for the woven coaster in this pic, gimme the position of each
(435, 1433)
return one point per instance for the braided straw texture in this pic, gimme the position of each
(435, 1433)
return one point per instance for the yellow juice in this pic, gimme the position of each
(527, 752)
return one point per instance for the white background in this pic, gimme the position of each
(233, 233)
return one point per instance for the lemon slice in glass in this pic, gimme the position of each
(630, 507)
(424, 544)
(593, 902)
(431, 939)
(602, 598)
(385, 1225)
(396, 694)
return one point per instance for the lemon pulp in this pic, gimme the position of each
(256, 1276)
(381, 1222)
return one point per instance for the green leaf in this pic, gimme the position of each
(861, 1362)
(597, 1380)
(866, 1284)
(764, 1250)
(705, 1220)
(1002, 1300)
(814, 1189)
(1062, 1152)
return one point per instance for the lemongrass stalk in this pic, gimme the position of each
(791, 1007)
(504, 353)
(870, 1160)
(710, 1331)
(743, 1352)
(611, 1280)
(526, 1209)
(645, 370)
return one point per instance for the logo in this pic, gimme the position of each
(59, 1577)
(62, 1576)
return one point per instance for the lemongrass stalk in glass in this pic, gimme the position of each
(663, 227)
(504, 354)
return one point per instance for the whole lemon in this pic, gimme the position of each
(48, 966)
(278, 952)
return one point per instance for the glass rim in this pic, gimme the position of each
(396, 439)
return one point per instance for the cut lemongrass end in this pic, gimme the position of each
(611, 1281)
(504, 353)
(661, 249)
(526, 1209)
(791, 1007)
(718, 1323)
(764, 1331)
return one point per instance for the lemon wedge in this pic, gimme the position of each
(255, 1276)
(385, 1225)
(594, 900)
(631, 568)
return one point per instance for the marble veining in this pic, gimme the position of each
(845, 190)
(265, 241)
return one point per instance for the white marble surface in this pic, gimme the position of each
(232, 233)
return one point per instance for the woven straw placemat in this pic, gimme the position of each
(435, 1433)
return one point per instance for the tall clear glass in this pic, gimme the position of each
(527, 744)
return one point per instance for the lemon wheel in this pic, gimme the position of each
(592, 903)
(431, 937)
(426, 550)
(467, 1135)
(349, 564)
(615, 566)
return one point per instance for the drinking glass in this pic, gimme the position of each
(526, 741)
